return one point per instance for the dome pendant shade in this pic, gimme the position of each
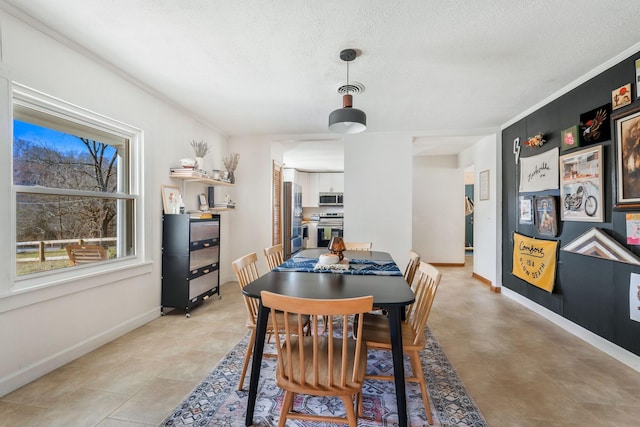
(347, 119)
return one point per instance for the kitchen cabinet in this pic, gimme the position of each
(313, 183)
(190, 260)
(330, 182)
(309, 192)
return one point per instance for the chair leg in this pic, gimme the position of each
(416, 367)
(287, 406)
(247, 357)
(351, 414)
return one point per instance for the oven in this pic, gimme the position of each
(329, 225)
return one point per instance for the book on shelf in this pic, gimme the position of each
(189, 172)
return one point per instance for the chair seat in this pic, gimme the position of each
(321, 385)
(375, 329)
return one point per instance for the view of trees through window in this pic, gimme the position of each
(67, 193)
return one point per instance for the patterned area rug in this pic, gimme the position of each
(216, 402)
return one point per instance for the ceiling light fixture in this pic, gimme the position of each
(347, 119)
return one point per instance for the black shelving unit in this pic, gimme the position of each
(190, 260)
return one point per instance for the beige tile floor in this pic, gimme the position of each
(521, 369)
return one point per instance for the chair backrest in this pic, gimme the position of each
(425, 287)
(246, 269)
(357, 246)
(319, 361)
(274, 256)
(84, 254)
(412, 267)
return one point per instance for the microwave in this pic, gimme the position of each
(330, 199)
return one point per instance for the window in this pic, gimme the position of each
(73, 184)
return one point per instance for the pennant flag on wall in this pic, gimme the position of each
(540, 172)
(534, 261)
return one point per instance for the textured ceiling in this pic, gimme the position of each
(430, 68)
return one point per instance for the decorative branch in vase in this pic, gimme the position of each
(200, 148)
(230, 163)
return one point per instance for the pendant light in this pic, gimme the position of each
(347, 119)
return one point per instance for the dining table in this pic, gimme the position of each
(368, 273)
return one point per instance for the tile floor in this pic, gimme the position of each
(521, 369)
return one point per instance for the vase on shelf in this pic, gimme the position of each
(199, 163)
(232, 178)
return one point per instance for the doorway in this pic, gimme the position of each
(468, 209)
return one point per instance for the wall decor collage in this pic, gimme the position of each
(567, 183)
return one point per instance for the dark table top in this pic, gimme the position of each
(387, 291)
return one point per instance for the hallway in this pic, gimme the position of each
(520, 369)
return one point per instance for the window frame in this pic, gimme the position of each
(26, 97)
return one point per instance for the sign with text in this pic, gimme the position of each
(538, 173)
(534, 261)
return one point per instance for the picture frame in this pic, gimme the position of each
(527, 214)
(570, 138)
(170, 196)
(621, 97)
(627, 128)
(484, 185)
(546, 215)
(595, 125)
(581, 185)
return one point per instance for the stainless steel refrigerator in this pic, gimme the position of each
(291, 219)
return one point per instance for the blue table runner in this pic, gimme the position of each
(356, 266)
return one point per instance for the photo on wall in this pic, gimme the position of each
(546, 216)
(594, 125)
(570, 138)
(527, 215)
(621, 97)
(581, 185)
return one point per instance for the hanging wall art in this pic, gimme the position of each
(538, 173)
(581, 185)
(594, 125)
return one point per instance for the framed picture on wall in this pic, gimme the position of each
(627, 134)
(594, 125)
(484, 185)
(546, 215)
(581, 185)
(526, 210)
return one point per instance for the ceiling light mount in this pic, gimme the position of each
(348, 119)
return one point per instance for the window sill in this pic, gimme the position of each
(24, 295)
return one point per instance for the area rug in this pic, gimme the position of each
(217, 402)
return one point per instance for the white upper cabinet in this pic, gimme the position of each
(332, 182)
(315, 183)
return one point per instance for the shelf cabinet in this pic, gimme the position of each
(190, 260)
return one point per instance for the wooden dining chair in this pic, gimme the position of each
(274, 256)
(412, 266)
(357, 246)
(246, 269)
(85, 254)
(375, 329)
(320, 364)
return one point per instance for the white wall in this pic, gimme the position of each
(251, 223)
(45, 328)
(377, 187)
(438, 209)
(483, 155)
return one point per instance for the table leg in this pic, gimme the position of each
(258, 348)
(394, 314)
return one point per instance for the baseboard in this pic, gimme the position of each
(447, 264)
(617, 352)
(44, 366)
(487, 282)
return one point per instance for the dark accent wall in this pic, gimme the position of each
(591, 292)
